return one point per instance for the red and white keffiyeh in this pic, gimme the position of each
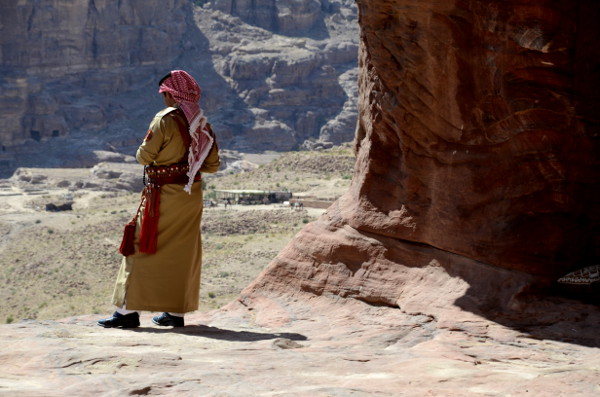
(186, 93)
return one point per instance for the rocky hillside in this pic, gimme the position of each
(62, 262)
(321, 174)
(275, 75)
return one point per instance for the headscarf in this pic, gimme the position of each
(186, 93)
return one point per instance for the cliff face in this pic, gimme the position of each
(290, 68)
(477, 156)
(275, 75)
(62, 61)
(285, 16)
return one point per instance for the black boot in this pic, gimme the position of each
(167, 320)
(131, 320)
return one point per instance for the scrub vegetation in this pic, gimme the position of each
(60, 264)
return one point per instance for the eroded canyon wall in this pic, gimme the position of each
(275, 75)
(291, 67)
(477, 153)
(63, 64)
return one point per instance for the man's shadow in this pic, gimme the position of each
(222, 334)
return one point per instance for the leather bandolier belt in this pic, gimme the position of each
(165, 174)
(157, 176)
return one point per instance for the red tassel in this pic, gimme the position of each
(149, 232)
(127, 244)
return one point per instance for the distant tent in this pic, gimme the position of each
(249, 196)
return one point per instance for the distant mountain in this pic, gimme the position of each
(83, 75)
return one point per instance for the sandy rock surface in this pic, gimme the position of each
(301, 346)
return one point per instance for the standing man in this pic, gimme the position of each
(163, 259)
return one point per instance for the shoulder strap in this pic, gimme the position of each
(183, 127)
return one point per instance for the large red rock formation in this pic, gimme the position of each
(477, 153)
(479, 129)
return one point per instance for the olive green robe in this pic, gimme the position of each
(168, 280)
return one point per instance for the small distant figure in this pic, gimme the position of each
(227, 202)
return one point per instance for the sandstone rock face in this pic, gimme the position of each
(487, 113)
(477, 158)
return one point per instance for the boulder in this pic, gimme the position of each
(129, 181)
(104, 171)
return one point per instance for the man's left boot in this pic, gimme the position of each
(131, 320)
